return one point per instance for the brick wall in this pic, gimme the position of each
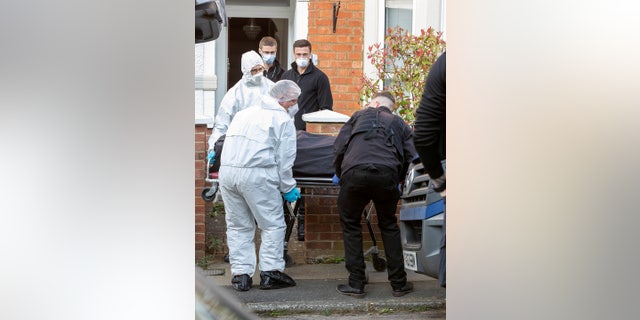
(201, 136)
(341, 54)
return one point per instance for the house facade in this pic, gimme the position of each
(340, 32)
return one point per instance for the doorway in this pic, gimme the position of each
(245, 35)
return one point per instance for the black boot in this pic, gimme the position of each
(241, 282)
(275, 280)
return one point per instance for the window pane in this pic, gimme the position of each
(398, 17)
(398, 14)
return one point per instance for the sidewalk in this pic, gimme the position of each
(316, 291)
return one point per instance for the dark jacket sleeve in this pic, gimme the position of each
(410, 153)
(325, 98)
(430, 124)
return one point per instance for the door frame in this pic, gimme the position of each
(262, 11)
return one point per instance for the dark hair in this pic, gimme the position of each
(385, 94)
(301, 43)
(268, 41)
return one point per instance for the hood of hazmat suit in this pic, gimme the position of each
(241, 96)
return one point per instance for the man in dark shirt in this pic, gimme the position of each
(268, 48)
(372, 153)
(429, 139)
(316, 95)
(316, 89)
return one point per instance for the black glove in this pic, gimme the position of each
(440, 184)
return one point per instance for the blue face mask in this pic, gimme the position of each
(269, 58)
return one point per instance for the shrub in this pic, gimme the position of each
(402, 65)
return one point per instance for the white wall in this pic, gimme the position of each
(205, 83)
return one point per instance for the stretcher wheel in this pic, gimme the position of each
(206, 197)
(288, 261)
(378, 263)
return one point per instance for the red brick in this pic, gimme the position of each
(320, 227)
(313, 127)
(330, 236)
(318, 245)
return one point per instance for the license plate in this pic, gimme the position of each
(410, 261)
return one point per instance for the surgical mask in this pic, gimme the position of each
(269, 58)
(302, 62)
(255, 79)
(293, 110)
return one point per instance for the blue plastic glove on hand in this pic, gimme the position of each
(292, 195)
(335, 180)
(211, 155)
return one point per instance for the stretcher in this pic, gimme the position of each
(309, 187)
(313, 172)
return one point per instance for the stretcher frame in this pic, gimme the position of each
(308, 187)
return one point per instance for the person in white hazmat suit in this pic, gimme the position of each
(244, 93)
(256, 169)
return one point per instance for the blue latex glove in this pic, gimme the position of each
(292, 195)
(335, 180)
(211, 155)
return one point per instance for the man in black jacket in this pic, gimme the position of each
(316, 89)
(268, 48)
(371, 155)
(316, 95)
(429, 139)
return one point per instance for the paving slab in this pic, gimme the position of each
(316, 291)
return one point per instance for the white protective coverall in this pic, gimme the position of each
(256, 167)
(243, 94)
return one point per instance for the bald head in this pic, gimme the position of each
(383, 98)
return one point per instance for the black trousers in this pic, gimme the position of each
(358, 186)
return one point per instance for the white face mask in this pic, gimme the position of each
(255, 79)
(293, 110)
(302, 62)
(269, 58)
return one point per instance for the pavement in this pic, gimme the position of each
(315, 291)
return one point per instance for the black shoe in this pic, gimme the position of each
(275, 280)
(404, 290)
(241, 282)
(347, 290)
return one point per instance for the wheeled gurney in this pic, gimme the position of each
(313, 171)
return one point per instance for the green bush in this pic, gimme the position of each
(402, 66)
